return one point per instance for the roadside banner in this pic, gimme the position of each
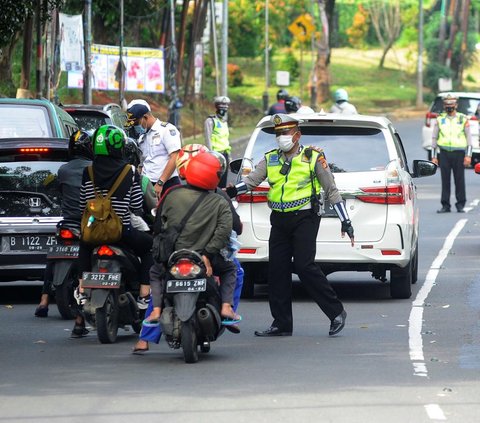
(71, 43)
(145, 69)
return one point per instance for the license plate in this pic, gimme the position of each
(63, 251)
(31, 242)
(101, 280)
(191, 285)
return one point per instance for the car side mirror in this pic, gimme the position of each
(235, 166)
(423, 168)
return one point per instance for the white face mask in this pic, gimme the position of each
(285, 142)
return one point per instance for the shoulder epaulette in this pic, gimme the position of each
(164, 124)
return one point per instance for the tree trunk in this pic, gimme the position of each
(384, 54)
(27, 54)
(7, 88)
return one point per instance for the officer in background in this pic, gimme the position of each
(160, 143)
(217, 133)
(279, 106)
(296, 174)
(451, 134)
(342, 105)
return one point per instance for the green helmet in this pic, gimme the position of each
(109, 140)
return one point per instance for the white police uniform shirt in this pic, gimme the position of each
(161, 140)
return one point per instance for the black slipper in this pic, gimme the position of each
(139, 351)
(233, 328)
(41, 311)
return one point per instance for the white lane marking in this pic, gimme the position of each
(415, 321)
(435, 412)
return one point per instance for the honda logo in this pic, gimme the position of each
(34, 202)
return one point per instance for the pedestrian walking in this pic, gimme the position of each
(451, 134)
(217, 133)
(296, 174)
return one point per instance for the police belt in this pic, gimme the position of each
(290, 204)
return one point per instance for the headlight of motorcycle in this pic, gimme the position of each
(185, 269)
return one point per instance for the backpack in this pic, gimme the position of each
(100, 224)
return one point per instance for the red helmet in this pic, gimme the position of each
(205, 170)
(185, 154)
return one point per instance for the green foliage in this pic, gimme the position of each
(246, 36)
(359, 29)
(235, 76)
(433, 72)
(290, 63)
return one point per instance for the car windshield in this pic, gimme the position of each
(29, 188)
(90, 121)
(347, 149)
(24, 121)
(466, 105)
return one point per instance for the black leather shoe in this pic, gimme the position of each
(338, 323)
(444, 210)
(273, 331)
(460, 210)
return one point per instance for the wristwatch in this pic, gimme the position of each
(160, 183)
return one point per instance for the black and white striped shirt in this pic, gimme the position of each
(128, 197)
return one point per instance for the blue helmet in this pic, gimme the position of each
(341, 95)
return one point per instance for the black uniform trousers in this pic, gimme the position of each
(293, 234)
(452, 161)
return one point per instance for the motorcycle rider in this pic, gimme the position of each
(207, 231)
(294, 105)
(342, 105)
(279, 106)
(108, 150)
(223, 270)
(69, 181)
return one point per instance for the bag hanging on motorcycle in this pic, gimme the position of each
(100, 224)
(164, 244)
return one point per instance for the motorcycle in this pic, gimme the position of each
(191, 315)
(63, 259)
(110, 302)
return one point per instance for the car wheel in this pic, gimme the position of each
(415, 267)
(401, 281)
(429, 155)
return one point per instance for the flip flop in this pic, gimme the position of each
(233, 328)
(227, 321)
(151, 323)
(139, 351)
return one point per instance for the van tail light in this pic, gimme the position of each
(429, 117)
(391, 194)
(473, 118)
(257, 195)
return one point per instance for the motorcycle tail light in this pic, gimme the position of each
(105, 250)
(66, 234)
(185, 268)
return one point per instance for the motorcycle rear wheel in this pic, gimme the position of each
(65, 300)
(189, 342)
(106, 318)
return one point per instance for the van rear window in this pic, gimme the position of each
(347, 149)
(24, 121)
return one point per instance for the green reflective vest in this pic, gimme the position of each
(292, 191)
(220, 135)
(451, 132)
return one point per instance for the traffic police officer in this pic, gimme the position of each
(217, 133)
(160, 143)
(296, 174)
(451, 134)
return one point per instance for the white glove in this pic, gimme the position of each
(80, 297)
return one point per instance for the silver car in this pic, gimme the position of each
(368, 160)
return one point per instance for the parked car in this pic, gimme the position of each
(29, 204)
(90, 116)
(468, 104)
(32, 118)
(371, 172)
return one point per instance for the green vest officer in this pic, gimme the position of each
(295, 174)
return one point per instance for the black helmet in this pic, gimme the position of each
(132, 153)
(109, 140)
(80, 145)
(282, 94)
(292, 104)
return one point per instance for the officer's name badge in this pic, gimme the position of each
(273, 159)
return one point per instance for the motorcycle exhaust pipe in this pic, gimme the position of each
(207, 322)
